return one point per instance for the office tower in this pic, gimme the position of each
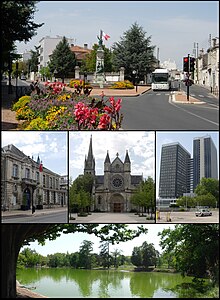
(204, 159)
(174, 171)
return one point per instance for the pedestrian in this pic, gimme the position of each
(32, 86)
(33, 209)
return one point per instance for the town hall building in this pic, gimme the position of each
(113, 190)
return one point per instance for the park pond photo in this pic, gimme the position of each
(111, 260)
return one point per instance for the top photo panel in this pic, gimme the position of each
(82, 66)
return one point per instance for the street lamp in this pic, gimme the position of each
(135, 78)
(55, 73)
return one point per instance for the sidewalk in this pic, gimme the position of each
(27, 213)
(111, 218)
(181, 97)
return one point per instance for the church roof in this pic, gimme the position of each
(127, 159)
(136, 179)
(99, 179)
(107, 159)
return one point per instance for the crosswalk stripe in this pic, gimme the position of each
(201, 96)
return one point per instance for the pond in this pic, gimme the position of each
(71, 283)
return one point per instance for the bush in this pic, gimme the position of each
(122, 85)
(22, 102)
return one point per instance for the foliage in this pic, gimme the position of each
(208, 186)
(134, 52)
(58, 109)
(122, 85)
(144, 256)
(144, 195)
(45, 73)
(89, 63)
(17, 23)
(194, 249)
(80, 193)
(33, 61)
(62, 59)
(21, 103)
(186, 201)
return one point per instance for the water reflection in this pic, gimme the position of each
(98, 283)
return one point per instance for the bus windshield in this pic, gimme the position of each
(160, 78)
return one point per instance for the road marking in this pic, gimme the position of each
(201, 96)
(192, 113)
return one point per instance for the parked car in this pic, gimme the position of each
(23, 77)
(203, 212)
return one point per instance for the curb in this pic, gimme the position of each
(172, 98)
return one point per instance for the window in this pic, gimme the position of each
(27, 173)
(15, 170)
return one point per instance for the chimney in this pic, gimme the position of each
(85, 46)
(72, 45)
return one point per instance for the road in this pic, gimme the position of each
(155, 111)
(53, 217)
(187, 217)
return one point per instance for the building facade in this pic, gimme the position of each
(204, 159)
(112, 191)
(180, 174)
(174, 171)
(25, 183)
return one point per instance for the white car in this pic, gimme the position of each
(203, 212)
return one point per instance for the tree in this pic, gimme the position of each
(195, 249)
(80, 195)
(45, 73)
(89, 63)
(104, 257)
(149, 255)
(144, 196)
(134, 53)
(85, 257)
(33, 61)
(62, 59)
(14, 236)
(16, 25)
(136, 257)
(116, 257)
(208, 186)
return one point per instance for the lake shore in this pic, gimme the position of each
(24, 292)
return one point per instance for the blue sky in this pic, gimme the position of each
(50, 146)
(140, 146)
(174, 26)
(72, 242)
(185, 138)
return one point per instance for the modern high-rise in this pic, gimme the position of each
(204, 159)
(174, 171)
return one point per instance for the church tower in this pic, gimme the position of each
(127, 171)
(89, 165)
(107, 171)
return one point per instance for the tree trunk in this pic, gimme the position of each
(12, 239)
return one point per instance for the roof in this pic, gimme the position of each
(80, 52)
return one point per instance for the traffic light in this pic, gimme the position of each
(186, 64)
(192, 64)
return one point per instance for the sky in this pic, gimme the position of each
(50, 146)
(140, 146)
(185, 138)
(174, 26)
(72, 242)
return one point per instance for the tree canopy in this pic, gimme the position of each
(194, 249)
(62, 60)
(134, 52)
(14, 236)
(17, 24)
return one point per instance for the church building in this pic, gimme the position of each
(112, 191)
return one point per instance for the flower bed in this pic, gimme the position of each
(58, 109)
(122, 85)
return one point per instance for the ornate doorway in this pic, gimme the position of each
(117, 204)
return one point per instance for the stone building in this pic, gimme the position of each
(112, 191)
(26, 183)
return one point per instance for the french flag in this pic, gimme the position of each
(41, 167)
(105, 36)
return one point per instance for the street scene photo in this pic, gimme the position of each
(187, 184)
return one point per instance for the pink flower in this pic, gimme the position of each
(104, 121)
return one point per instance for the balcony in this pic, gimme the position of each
(29, 181)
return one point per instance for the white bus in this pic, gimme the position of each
(161, 80)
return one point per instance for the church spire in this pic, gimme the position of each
(107, 159)
(89, 166)
(127, 159)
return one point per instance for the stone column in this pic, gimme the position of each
(99, 74)
(122, 74)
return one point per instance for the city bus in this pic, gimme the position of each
(161, 80)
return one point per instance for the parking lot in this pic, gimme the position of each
(187, 217)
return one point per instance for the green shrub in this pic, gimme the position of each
(23, 101)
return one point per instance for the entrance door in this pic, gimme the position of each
(117, 207)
